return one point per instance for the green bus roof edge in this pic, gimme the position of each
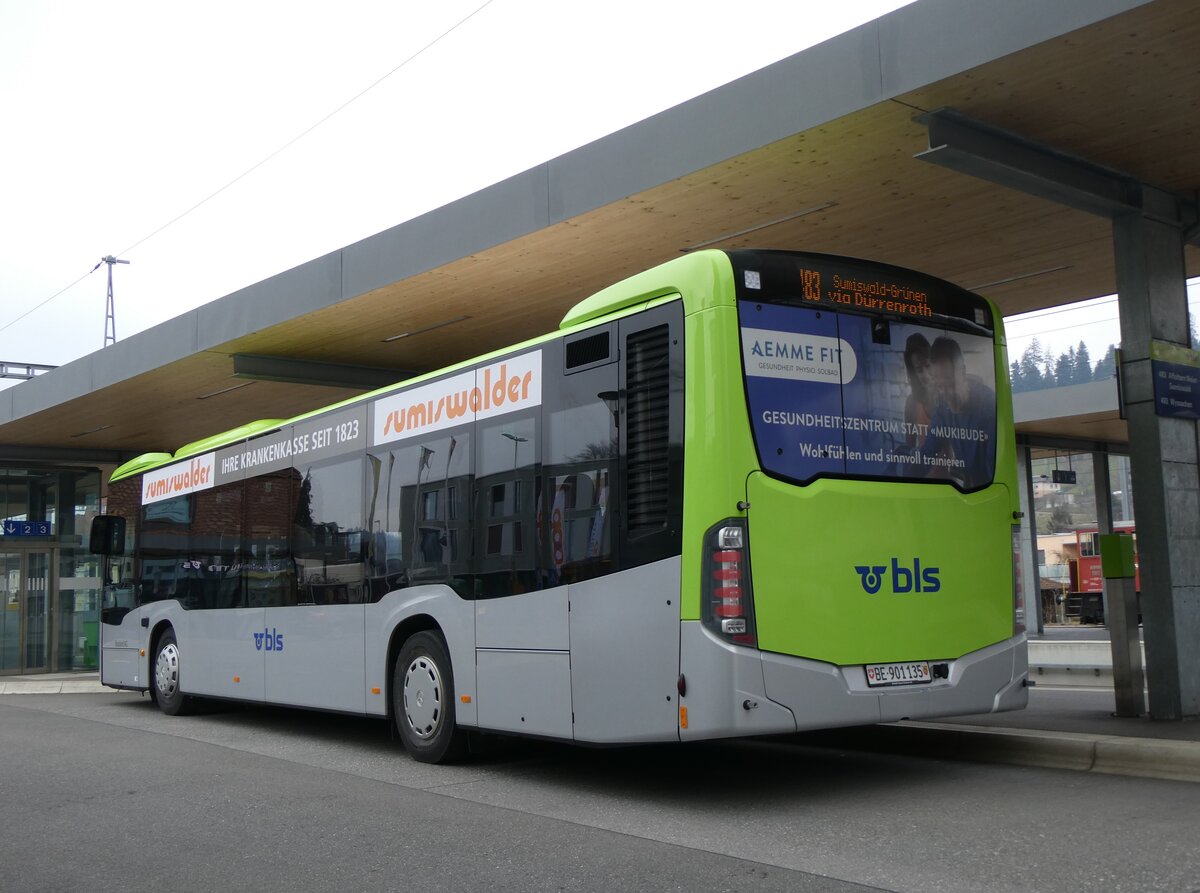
(621, 299)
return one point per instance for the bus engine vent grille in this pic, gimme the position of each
(647, 429)
(586, 351)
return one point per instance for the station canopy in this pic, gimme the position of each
(814, 153)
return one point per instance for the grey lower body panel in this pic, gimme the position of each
(738, 691)
(625, 655)
(725, 691)
(525, 692)
(596, 661)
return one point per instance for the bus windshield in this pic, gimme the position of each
(834, 392)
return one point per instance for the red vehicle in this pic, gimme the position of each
(1087, 578)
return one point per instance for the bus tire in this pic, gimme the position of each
(164, 679)
(423, 700)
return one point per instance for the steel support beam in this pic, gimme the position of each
(23, 371)
(1069, 444)
(40, 455)
(963, 144)
(1150, 228)
(334, 375)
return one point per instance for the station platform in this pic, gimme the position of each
(52, 684)
(1062, 728)
(1068, 724)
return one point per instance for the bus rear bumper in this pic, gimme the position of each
(731, 690)
(822, 695)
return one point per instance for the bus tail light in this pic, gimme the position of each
(728, 605)
(1018, 583)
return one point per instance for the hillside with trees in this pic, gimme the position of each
(1037, 369)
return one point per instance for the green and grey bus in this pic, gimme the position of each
(744, 492)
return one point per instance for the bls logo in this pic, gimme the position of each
(904, 578)
(271, 640)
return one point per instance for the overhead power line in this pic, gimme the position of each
(357, 96)
(1104, 320)
(1051, 311)
(40, 305)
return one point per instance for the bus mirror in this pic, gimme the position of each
(108, 535)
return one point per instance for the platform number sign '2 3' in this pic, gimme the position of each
(26, 528)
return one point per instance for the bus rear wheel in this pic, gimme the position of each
(423, 700)
(165, 676)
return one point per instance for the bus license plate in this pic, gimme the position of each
(913, 673)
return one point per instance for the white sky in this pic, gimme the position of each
(118, 117)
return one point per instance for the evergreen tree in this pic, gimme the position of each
(1015, 378)
(1083, 364)
(1030, 366)
(1036, 353)
(1107, 367)
(1064, 369)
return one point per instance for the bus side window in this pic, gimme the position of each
(268, 571)
(580, 464)
(165, 529)
(215, 548)
(508, 492)
(419, 496)
(328, 536)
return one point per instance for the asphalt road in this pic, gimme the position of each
(103, 792)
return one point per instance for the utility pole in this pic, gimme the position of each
(110, 320)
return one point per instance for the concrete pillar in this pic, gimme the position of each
(1030, 577)
(1103, 491)
(1163, 456)
(65, 509)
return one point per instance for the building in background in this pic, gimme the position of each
(49, 581)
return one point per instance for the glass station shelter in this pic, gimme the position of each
(49, 581)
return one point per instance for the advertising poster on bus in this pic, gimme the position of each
(844, 394)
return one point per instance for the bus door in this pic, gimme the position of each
(120, 635)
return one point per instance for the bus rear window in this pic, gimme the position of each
(842, 394)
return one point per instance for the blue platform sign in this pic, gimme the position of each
(1176, 372)
(25, 528)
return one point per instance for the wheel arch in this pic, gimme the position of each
(404, 630)
(156, 633)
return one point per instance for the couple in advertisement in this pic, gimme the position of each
(954, 408)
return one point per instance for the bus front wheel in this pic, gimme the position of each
(167, 659)
(423, 700)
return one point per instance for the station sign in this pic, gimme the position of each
(1176, 373)
(25, 528)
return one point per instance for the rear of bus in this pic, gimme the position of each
(861, 416)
